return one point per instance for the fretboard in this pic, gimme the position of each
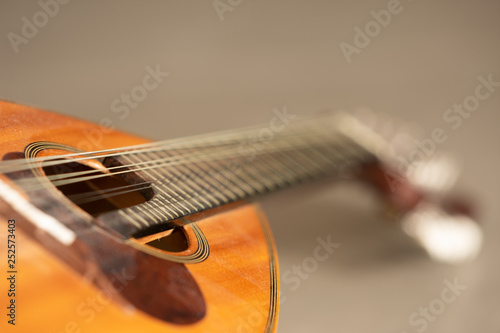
(203, 173)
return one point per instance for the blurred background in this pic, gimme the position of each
(231, 62)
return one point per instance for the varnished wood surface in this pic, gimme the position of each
(235, 279)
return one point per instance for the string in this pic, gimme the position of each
(178, 197)
(31, 184)
(163, 159)
(183, 159)
(224, 137)
(226, 143)
(90, 196)
(97, 195)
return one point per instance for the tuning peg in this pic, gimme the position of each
(447, 237)
(435, 174)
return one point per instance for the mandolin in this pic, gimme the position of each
(103, 231)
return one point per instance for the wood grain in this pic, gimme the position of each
(236, 280)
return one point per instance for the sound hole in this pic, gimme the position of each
(98, 191)
(173, 240)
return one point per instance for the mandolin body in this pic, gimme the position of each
(236, 284)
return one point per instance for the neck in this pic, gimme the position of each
(198, 174)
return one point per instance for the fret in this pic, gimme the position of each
(336, 156)
(339, 148)
(260, 173)
(322, 165)
(220, 172)
(324, 142)
(314, 169)
(297, 157)
(237, 179)
(289, 176)
(209, 179)
(165, 173)
(279, 170)
(131, 220)
(138, 217)
(161, 189)
(150, 213)
(146, 215)
(205, 191)
(168, 203)
(260, 170)
(200, 175)
(154, 207)
(240, 183)
(184, 177)
(250, 175)
(349, 149)
(283, 175)
(173, 199)
(315, 155)
(302, 171)
(351, 153)
(330, 158)
(352, 148)
(266, 167)
(248, 182)
(255, 177)
(163, 196)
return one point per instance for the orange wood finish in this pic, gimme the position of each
(235, 279)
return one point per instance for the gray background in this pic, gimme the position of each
(271, 54)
